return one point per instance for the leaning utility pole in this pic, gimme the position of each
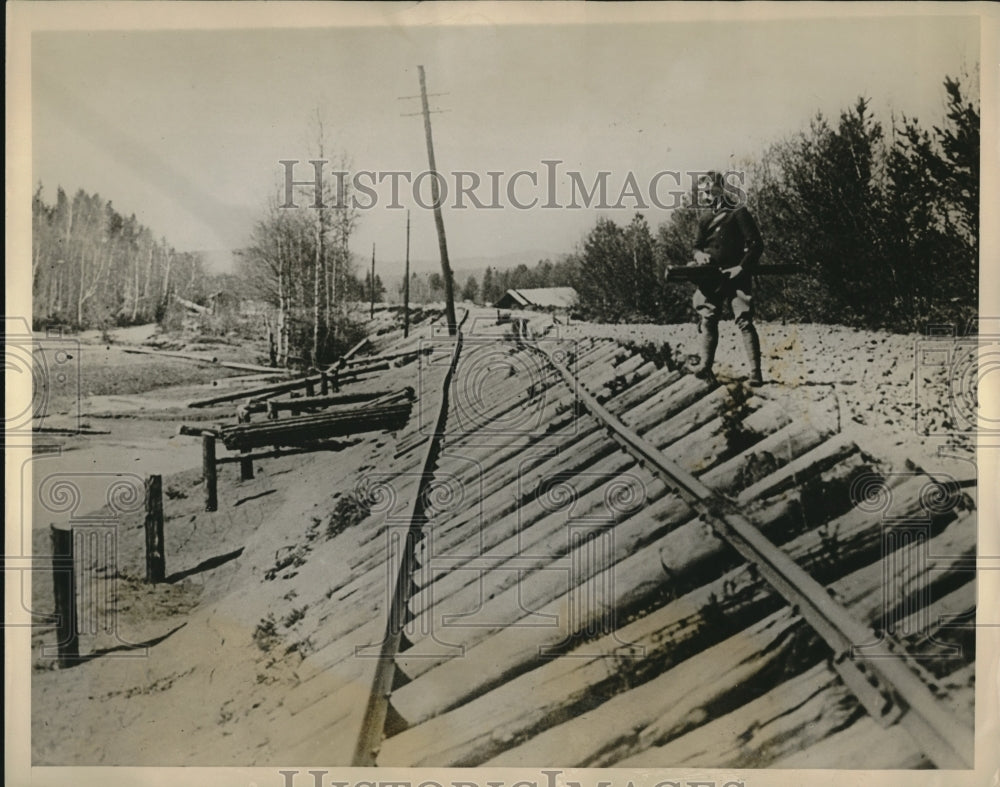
(406, 282)
(371, 314)
(449, 292)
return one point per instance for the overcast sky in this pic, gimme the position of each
(186, 128)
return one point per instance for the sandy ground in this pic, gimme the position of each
(191, 658)
(902, 396)
(195, 670)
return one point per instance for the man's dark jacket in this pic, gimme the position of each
(730, 237)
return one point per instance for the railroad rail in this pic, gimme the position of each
(377, 709)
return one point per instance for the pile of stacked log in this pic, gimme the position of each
(388, 412)
(342, 372)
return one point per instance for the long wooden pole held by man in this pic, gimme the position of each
(449, 291)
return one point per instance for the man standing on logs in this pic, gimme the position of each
(728, 239)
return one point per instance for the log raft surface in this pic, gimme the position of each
(565, 603)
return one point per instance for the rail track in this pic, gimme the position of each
(604, 562)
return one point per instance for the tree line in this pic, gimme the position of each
(429, 287)
(91, 266)
(883, 224)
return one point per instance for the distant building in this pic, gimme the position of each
(547, 298)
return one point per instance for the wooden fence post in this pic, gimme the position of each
(209, 471)
(64, 590)
(324, 384)
(155, 551)
(246, 463)
(310, 388)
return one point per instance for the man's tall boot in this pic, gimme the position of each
(751, 343)
(709, 341)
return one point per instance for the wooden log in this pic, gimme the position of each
(764, 457)
(718, 440)
(799, 713)
(945, 560)
(355, 349)
(823, 456)
(390, 408)
(248, 379)
(863, 746)
(209, 472)
(292, 385)
(623, 381)
(155, 547)
(333, 400)
(191, 305)
(310, 428)
(64, 592)
(660, 409)
(941, 611)
(650, 645)
(195, 431)
(636, 395)
(342, 401)
(694, 415)
(629, 365)
(495, 467)
(249, 367)
(259, 455)
(595, 376)
(511, 403)
(593, 364)
(349, 364)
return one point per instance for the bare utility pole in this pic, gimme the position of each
(449, 291)
(406, 282)
(371, 314)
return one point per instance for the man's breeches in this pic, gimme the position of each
(709, 305)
